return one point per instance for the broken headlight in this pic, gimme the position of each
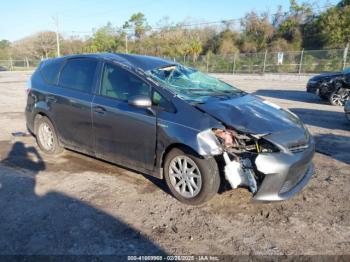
(208, 143)
(264, 146)
(235, 142)
(239, 143)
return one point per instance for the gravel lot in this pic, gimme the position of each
(74, 204)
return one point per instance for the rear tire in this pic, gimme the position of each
(202, 175)
(46, 136)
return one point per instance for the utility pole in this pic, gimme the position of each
(234, 64)
(56, 21)
(264, 66)
(301, 60)
(346, 50)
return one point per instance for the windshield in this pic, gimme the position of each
(192, 84)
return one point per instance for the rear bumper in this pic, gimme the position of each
(285, 174)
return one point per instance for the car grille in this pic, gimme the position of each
(295, 175)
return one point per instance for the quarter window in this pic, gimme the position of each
(120, 84)
(78, 74)
(50, 72)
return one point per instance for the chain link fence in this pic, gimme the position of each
(300, 62)
(19, 64)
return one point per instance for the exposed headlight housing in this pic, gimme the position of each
(208, 143)
(265, 146)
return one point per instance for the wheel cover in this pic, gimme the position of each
(46, 136)
(185, 176)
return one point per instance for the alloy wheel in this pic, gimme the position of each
(46, 136)
(339, 98)
(185, 176)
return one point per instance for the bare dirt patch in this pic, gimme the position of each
(74, 204)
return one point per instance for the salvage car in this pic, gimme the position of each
(333, 87)
(347, 110)
(161, 118)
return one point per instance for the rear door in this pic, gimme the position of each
(123, 134)
(71, 103)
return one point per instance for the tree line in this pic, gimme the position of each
(302, 26)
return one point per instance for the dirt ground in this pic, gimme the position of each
(74, 204)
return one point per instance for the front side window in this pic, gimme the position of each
(159, 100)
(120, 84)
(78, 74)
(192, 84)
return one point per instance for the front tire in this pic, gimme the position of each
(46, 136)
(191, 179)
(339, 97)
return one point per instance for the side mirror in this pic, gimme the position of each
(140, 101)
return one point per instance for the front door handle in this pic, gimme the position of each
(99, 110)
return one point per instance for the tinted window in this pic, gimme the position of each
(120, 84)
(50, 72)
(78, 74)
(159, 100)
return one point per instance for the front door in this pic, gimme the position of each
(123, 133)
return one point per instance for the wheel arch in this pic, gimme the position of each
(171, 147)
(39, 114)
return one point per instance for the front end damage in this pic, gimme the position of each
(272, 166)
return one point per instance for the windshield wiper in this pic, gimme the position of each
(214, 92)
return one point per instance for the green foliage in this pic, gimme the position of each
(138, 22)
(4, 49)
(103, 40)
(335, 25)
(219, 48)
(257, 32)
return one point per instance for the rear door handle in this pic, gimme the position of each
(51, 99)
(99, 110)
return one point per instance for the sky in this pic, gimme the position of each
(20, 18)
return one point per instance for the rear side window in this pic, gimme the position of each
(78, 74)
(50, 72)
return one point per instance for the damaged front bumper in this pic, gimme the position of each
(284, 174)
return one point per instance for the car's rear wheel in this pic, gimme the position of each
(191, 179)
(46, 136)
(338, 98)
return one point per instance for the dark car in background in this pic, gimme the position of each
(334, 87)
(169, 121)
(347, 109)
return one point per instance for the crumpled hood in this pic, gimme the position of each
(251, 114)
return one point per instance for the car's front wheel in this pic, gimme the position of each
(339, 97)
(46, 136)
(191, 179)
